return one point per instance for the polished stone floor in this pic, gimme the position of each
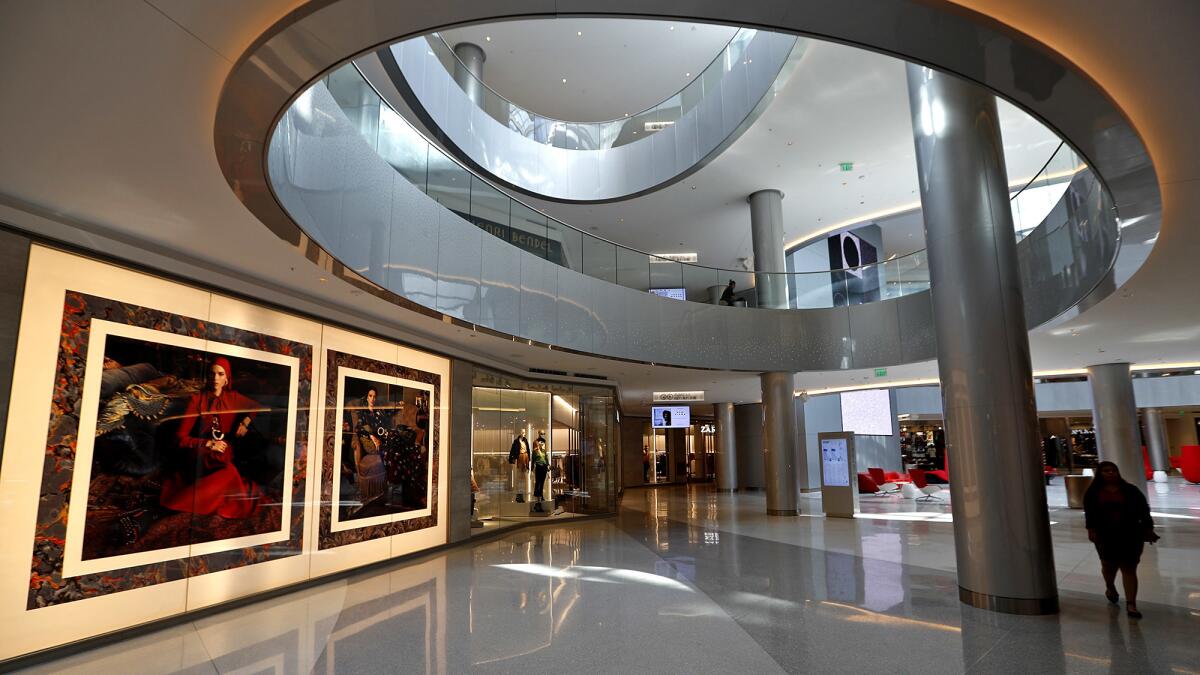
(686, 580)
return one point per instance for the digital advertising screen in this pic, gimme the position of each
(867, 412)
(670, 416)
(835, 462)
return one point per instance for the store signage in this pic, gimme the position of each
(846, 166)
(542, 247)
(672, 396)
(708, 428)
(673, 293)
(881, 372)
(673, 257)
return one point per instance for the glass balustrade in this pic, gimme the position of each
(493, 211)
(597, 135)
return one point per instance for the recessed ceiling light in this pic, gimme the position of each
(687, 74)
(488, 38)
(564, 80)
(670, 27)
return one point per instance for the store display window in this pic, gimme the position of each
(540, 450)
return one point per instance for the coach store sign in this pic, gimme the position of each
(672, 396)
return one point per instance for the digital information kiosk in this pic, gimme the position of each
(839, 482)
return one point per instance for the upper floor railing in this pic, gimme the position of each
(465, 193)
(598, 135)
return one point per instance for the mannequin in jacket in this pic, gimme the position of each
(541, 466)
(518, 457)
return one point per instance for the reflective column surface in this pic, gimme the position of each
(1156, 442)
(1114, 410)
(992, 443)
(690, 580)
(779, 442)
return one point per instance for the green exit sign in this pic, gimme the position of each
(881, 372)
(846, 166)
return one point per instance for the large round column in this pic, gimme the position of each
(1114, 414)
(766, 234)
(779, 443)
(726, 459)
(468, 70)
(1156, 443)
(998, 498)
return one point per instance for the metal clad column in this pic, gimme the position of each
(779, 443)
(766, 232)
(1114, 413)
(1156, 443)
(1001, 524)
(468, 70)
(726, 459)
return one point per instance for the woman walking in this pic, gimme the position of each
(1118, 523)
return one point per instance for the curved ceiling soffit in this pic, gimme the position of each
(309, 41)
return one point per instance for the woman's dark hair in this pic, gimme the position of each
(1097, 483)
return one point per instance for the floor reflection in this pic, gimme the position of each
(688, 580)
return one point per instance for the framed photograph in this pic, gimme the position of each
(383, 423)
(155, 454)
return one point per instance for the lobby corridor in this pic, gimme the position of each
(686, 580)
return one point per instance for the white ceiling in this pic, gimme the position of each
(616, 66)
(109, 122)
(842, 104)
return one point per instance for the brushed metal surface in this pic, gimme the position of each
(766, 235)
(779, 442)
(1001, 526)
(726, 455)
(1114, 412)
(1156, 439)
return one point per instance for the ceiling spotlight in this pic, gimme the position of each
(670, 27)
(488, 38)
(579, 33)
(687, 74)
(564, 80)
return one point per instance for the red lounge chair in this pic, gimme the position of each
(930, 491)
(881, 480)
(1189, 463)
(866, 486)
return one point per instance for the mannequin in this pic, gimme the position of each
(541, 465)
(519, 456)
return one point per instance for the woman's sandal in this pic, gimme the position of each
(1132, 613)
(1112, 595)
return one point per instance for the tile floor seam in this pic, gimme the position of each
(976, 662)
(207, 652)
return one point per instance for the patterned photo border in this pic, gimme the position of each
(326, 538)
(47, 586)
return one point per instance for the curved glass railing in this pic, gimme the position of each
(598, 135)
(456, 188)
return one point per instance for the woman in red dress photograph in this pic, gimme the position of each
(213, 423)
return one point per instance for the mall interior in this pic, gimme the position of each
(603, 337)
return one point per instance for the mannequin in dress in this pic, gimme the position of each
(518, 457)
